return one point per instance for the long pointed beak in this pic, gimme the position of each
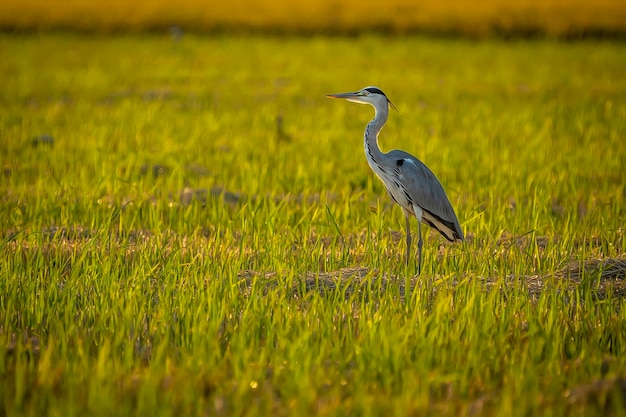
(343, 95)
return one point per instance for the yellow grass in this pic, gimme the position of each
(553, 17)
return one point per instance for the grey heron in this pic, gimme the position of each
(408, 181)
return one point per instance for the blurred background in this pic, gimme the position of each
(525, 18)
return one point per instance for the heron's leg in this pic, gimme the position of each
(418, 213)
(419, 248)
(408, 237)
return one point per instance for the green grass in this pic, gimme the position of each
(279, 288)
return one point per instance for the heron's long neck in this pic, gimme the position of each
(372, 151)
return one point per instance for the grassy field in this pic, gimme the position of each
(190, 228)
(570, 18)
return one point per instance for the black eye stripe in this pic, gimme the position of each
(375, 90)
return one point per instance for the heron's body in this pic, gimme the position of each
(408, 181)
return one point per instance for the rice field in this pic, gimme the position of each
(189, 227)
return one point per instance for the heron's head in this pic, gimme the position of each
(369, 95)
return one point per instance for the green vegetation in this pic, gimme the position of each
(167, 250)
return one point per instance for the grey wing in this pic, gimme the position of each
(427, 192)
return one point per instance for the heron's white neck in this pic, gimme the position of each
(372, 151)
